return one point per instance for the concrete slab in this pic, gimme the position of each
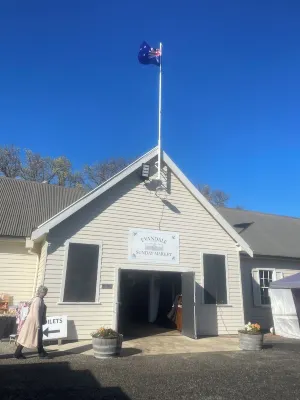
(158, 345)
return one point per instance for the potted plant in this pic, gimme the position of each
(251, 338)
(106, 343)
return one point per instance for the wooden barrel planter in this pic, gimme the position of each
(250, 341)
(107, 347)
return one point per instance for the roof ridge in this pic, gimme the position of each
(261, 212)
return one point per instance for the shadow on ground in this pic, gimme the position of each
(281, 343)
(126, 352)
(55, 381)
(143, 330)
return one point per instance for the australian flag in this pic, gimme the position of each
(149, 55)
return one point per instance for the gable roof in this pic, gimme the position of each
(267, 234)
(24, 204)
(77, 205)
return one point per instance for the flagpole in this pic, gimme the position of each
(159, 113)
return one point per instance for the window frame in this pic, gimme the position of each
(218, 253)
(63, 282)
(273, 270)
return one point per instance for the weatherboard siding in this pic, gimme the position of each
(130, 204)
(283, 268)
(17, 270)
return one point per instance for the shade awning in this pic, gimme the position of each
(290, 282)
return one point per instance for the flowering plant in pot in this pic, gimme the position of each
(251, 337)
(106, 343)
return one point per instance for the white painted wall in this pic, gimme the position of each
(130, 204)
(17, 270)
(283, 268)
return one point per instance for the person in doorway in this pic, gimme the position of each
(31, 334)
(174, 315)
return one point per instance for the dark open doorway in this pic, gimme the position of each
(146, 298)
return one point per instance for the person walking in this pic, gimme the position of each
(31, 335)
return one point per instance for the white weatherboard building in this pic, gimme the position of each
(275, 241)
(124, 250)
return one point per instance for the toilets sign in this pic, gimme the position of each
(153, 246)
(55, 328)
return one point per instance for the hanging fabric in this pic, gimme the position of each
(154, 294)
(21, 314)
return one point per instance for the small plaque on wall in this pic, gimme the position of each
(107, 286)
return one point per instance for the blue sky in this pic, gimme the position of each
(70, 84)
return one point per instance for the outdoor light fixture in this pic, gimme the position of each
(145, 171)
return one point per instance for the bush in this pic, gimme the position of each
(105, 333)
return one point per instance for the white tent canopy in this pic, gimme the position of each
(285, 301)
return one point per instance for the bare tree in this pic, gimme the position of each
(10, 162)
(218, 198)
(37, 168)
(206, 191)
(100, 172)
(59, 171)
(51, 170)
(75, 179)
(62, 168)
(63, 174)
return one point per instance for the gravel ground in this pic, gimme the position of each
(270, 374)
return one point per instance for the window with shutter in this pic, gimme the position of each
(255, 287)
(215, 279)
(81, 277)
(261, 279)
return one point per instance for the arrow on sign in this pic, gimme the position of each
(46, 331)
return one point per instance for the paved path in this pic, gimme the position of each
(159, 345)
(270, 374)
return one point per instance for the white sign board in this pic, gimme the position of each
(55, 328)
(146, 245)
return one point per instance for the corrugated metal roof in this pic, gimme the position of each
(24, 204)
(266, 234)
